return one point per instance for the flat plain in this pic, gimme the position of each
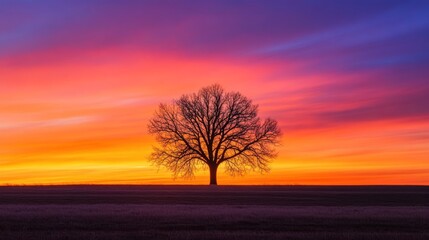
(214, 212)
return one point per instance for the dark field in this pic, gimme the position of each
(224, 212)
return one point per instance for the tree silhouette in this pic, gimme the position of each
(210, 128)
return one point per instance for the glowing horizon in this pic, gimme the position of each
(348, 85)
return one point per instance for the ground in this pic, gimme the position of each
(210, 212)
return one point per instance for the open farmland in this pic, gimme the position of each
(223, 212)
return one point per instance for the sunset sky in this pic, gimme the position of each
(348, 82)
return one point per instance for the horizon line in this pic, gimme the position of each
(219, 185)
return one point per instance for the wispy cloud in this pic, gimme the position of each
(57, 122)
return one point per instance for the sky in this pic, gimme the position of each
(348, 82)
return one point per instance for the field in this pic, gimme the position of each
(223, 212)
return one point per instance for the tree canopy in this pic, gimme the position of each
(209, 128)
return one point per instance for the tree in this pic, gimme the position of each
(210, 128)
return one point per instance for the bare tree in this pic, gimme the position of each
(210, 128)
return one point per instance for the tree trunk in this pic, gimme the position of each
(213, 177)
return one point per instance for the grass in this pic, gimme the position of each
(192, 212)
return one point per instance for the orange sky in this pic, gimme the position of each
(74, 107)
